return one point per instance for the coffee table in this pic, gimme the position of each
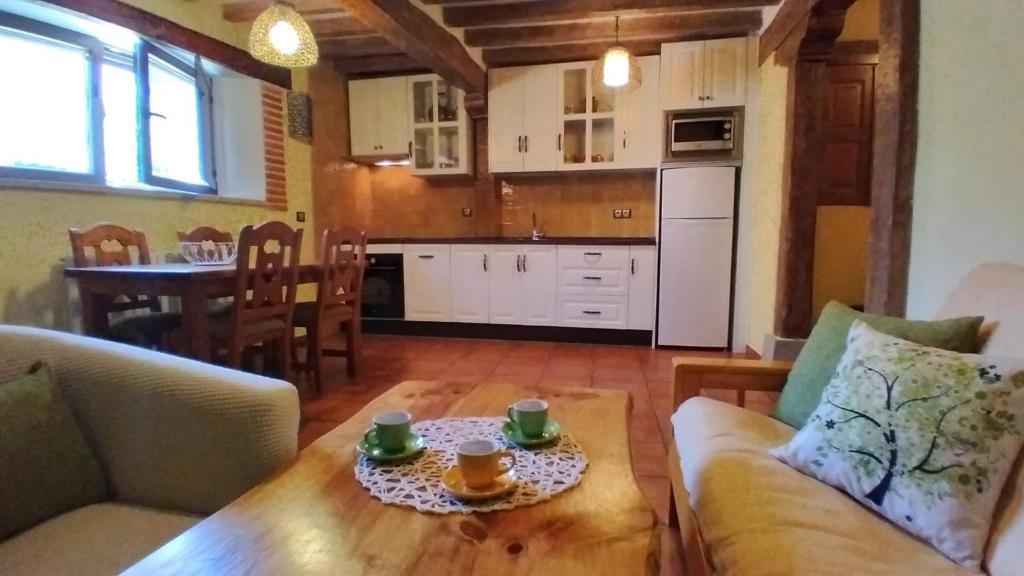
(315, 518)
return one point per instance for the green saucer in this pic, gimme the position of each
(551, 433)
(413, 446)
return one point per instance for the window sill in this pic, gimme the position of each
(138, 192)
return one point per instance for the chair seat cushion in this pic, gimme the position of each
(305, 313)
(758, 516)
(146, 329)
(220, 327)
(100, 539)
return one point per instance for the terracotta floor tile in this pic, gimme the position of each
(643, 423)
(562, 370)
(624, 374)
(557, 382)
(656, 489)
(648, 458)
(636, 389)
(523, 367)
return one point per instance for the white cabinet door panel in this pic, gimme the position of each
(725, 72)
(593, 311)
(540, 285)
(392, 118)
(505, 119)
(540, 119)
(427, 282)
(641, 139)
(643, 272)
(682, 75)
(469, 284)
(505, 284)
(363, 128)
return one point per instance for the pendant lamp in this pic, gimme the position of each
(617, 69)
(281, 37)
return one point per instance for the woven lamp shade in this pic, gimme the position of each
(617, 70)
(280, 37)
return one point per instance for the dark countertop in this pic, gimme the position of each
(556, 240)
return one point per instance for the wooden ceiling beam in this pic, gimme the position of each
(417, 34)
(397, 63)
(726, 23)
(356, 46)
(338, 27)
(246, 10)
(552, 10)
(526, 55)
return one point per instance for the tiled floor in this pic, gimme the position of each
(646, 374)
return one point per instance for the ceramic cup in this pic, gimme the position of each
(480, 462)
(390, 431)
(530, 416)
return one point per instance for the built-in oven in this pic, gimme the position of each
(383, 287)
(694, 132)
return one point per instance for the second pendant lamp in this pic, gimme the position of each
(617, 69)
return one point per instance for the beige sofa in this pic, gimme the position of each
(742, 512)
(177, 439)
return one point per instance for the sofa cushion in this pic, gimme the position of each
(46, 466)
(820, 356)
(100, 540)
(758, 516)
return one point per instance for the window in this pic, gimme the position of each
(98, 113)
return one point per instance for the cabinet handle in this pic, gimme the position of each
(592, 312)
(524, 263)
(709, 98)
(520, 145)
(598, 254)
(485, 262)
(591, 277)
(559, 142)
(519, 265)
(426, 256)
(623, 139)
(526, 143)
(632, 266)
(410, 148)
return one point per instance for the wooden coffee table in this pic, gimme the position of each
(315, 518)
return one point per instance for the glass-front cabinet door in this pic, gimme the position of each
(587, 137)
(439, 127)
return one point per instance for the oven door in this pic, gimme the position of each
(383, 293)
(689, 134)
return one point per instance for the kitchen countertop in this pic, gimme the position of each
(556, 240)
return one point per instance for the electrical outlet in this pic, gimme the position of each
(467, 212)
(617, 213)
(300, 216)
(627, 212)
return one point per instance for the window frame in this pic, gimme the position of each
(144, 50)
(92, 94)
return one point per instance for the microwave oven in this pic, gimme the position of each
(688, 133)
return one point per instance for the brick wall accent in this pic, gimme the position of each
(273, 147)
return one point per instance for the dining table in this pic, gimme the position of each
(193, 284)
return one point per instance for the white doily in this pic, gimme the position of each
(543, 472)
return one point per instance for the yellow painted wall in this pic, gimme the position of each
(861, 22)
(771, 158)
(841, 255)
(34, 223)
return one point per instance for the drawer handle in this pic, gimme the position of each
(632, 266)
(426, 256)
(592, 312)
(598, 254)
(592, 278)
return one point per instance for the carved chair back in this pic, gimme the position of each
(205, 234)
(268, 268)
(108, 244)
(342, 263)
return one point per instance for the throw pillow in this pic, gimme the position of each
(820, 356)
(924, 437)
(47, 466)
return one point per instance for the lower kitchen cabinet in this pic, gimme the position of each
(643, 274)
(589, 311)
(427, 282)
(504, 283)
(540, 282)
(469, 282)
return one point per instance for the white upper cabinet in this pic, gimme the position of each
(438, 127)
(641, 129)
(704, 74)
(393, 125)
(540, 119)
(469, 292)
(378, 126)
(522, 130)
(587, 119)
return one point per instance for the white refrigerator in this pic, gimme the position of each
(696, 261)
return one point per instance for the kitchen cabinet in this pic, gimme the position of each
(469, 283)
(438, 127)
(427, 282)
(704, 74)
(643, 270)
(377, 122)
(640, 143)
(540, 278)
(587, 119)
(505, 283)
(522, 134)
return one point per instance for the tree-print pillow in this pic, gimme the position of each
(922, 436)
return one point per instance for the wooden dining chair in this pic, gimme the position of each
(338, 297)
(264, 299)
(108, 244)
(210, 234)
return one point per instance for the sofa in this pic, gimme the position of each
(177, 440)
(741, 511)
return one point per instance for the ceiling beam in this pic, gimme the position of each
(337, 27)
(356, 46)
(552, 10)
(378, 65)
(246, 10)
(725, 22)
(526, 55)
(417, 34)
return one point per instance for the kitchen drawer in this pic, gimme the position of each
(601, 281)
(593, 311)
(593, 257)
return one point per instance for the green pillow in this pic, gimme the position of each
(47, 467)
(825, 347)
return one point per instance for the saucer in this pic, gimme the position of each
(455, 484)
(551, 433)
(413, 446)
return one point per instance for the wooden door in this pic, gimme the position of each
(393, 121)
(427, 282)
(505, 119)
(540, 119)
(540, 285)
(849, 117)
(362, 114)
(725, 72)
(470, 267)
(682, 75)
(640, 143)
(505, 284)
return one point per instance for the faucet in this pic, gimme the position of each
(537, 234)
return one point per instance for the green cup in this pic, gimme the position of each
(390, 431)
(530, 416)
